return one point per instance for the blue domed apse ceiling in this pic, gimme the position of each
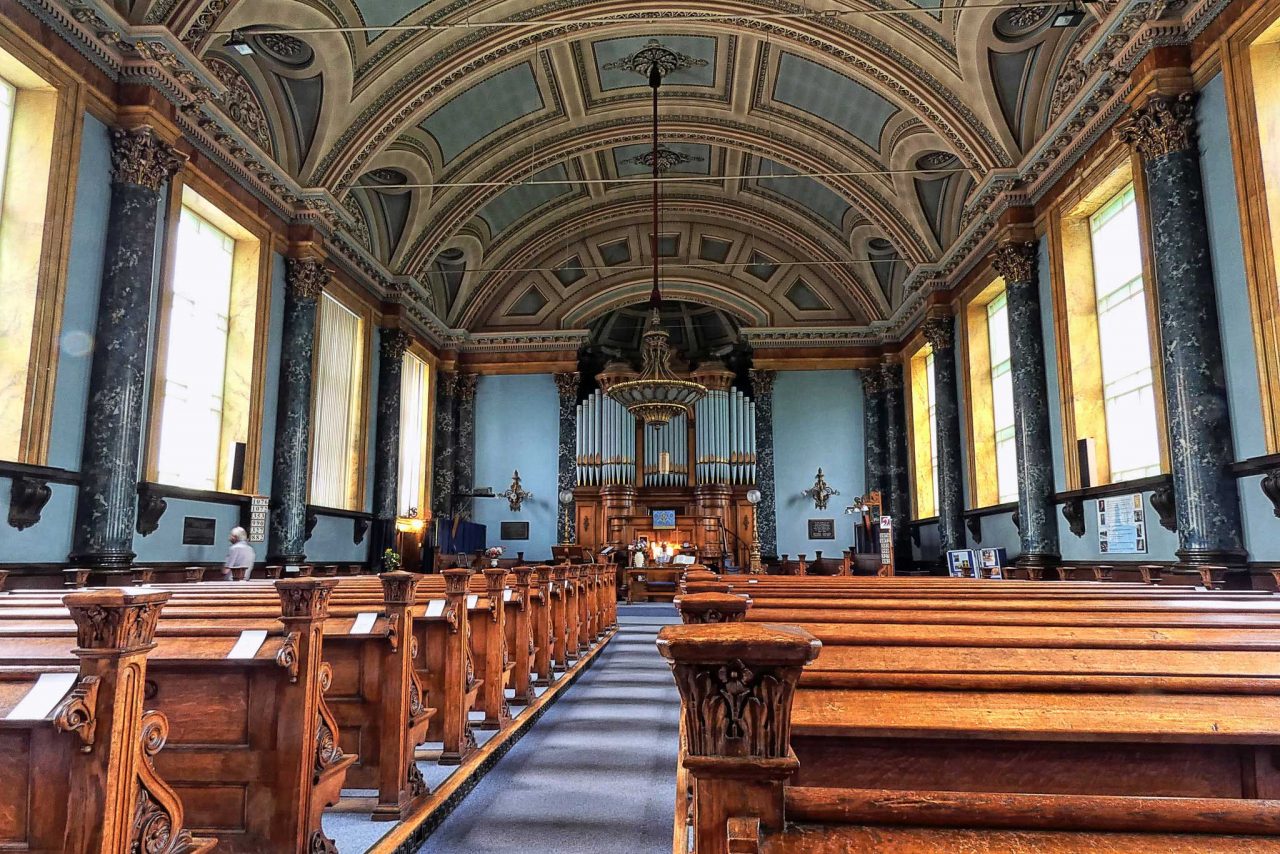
(823, 161)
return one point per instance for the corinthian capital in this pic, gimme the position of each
(762, 382)
(1015, 261)
(306, 277)
(465, 386)
(1163, 125)
(567, 384)
(872, 380)
(394, 343)
(939, 331)
(139, 156)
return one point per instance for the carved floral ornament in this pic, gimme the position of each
(1164, 125)
(113, 620)
(939, 331)
(762, 382)
(567, 384)
(394, 343)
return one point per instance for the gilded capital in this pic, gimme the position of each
(394, 343)
(872, 380)
(762, 382)
(139, 156)
(464, 386)
(939, 331)
(1015, 261)
(567, 384)
(1165, 124)
(891, 376)
(306, 277)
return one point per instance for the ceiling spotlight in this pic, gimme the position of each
(1072, 16)
(237, 43)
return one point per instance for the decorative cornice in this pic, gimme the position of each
(140, 157)
(1015, 261)
(814, 336)
(1164, 125)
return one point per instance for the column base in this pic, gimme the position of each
(1196, 558)
(1038, 560)
(286, 560)
(103, 560)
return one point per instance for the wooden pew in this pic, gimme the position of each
(738, 684)
(254, 750)
(79, 749)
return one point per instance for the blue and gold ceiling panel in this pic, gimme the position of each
(520, 200)
(816, 198)
(483, 108)
(607, 53)
(833, 97)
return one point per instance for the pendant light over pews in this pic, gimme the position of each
(657, 395)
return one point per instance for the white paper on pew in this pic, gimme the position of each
(48, 691)
(752, 581)
(435, 608)
(364, 623)
(251, 640)
(472, 600)
(292, 568)
(506, 595)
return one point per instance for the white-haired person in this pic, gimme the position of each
(240, 555)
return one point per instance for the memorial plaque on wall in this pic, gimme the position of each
(514, 530)
(822, 529)
(198, 531)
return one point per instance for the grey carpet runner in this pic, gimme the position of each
(597, 772)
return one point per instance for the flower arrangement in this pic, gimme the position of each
(493, 552)
(390, 560)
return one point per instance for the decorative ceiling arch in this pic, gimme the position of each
(444, 146)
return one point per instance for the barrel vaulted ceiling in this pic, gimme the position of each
(495, 165)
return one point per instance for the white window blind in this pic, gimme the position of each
(8, 98)
(1002, 399)
(195, 366)
(413, 434)
(338, 384)
(1124, 345)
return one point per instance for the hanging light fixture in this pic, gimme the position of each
(657, 395)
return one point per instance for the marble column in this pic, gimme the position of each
(939, 331)
(443, 445)
(897, 501)
(567, 459)
(464, 450)
(304, 279)
(873, 431)
(107, 503)
(1015, 261)
(386, 458)
(1206, 497)
(767, 510)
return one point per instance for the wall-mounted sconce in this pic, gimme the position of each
(821, 492)
(515, 493)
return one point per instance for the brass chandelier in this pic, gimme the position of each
(657, 395)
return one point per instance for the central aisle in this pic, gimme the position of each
(597, 773)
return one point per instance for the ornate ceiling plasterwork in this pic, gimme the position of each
(934, 69)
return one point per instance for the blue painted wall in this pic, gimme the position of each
(518, 427)
(1235, 317)
(817, 421)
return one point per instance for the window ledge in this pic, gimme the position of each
(1256, 465)
(45, 473)
(1106, 490)
(992, 510)
(211, 496)
(320, 510)
(927, 520)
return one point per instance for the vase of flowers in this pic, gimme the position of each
(493, 553)
(390, 560)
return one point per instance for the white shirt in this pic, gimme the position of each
(240, 556)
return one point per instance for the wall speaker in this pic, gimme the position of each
(237, 467)
(1087, 458)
